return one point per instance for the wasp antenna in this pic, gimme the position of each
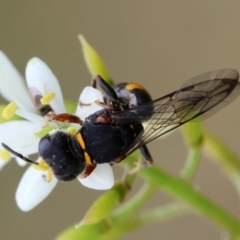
(19, 155)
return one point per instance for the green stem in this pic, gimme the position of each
(122, 226)
(227, 159)
(135, 202)
(163, 213)
(183, 191)
(193, 160)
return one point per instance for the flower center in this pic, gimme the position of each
(9, 110)
(42, 166)
(47, 98)
(4, 154)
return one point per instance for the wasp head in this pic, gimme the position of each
(63, 156)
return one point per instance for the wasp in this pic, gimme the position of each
(129, 120)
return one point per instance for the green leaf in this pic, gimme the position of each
(93, 61)
(94, 224)
(104, 204)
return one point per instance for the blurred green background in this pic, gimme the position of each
(159, 44)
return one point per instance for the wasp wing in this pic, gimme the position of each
(203, 95)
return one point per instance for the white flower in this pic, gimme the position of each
(20, 135)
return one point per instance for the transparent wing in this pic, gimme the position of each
(202, 95)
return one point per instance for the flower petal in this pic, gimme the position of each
(12, 85)
(89, 95)
(33, 189)
(40, 76)
(100, 179)
(32, 117)
(20, 136)
(20, 162)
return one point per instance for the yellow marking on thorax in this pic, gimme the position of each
(87, 158)
(83, 146)
(132, 86)
(81, 141)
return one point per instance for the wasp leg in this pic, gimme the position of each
(64, 118)
(81, 104)
(139, 165)
(104, 105)
(110, 96)
(146, 154)
(106, 88)
(87, 171)
(99, 103)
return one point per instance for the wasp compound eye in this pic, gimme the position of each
(56, 150)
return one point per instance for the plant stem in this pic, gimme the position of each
(183, 191)
(193, 160)
(124, 225)
(135, 202)
(163, 213)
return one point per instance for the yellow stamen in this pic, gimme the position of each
(47, 98)
(49, 176)
(4, 155)
(72, 131)
(42, 166)
(9, 110)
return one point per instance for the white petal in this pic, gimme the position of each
(100, 179)
(26, 151)
(32, 117)
(12, 85)
(20, 162)
(33, 189)
(40, 76)
(88, 96)
(18, 134)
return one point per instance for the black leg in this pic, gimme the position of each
(146, 154)
(106, 88)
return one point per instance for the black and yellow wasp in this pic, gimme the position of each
(129, 120)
